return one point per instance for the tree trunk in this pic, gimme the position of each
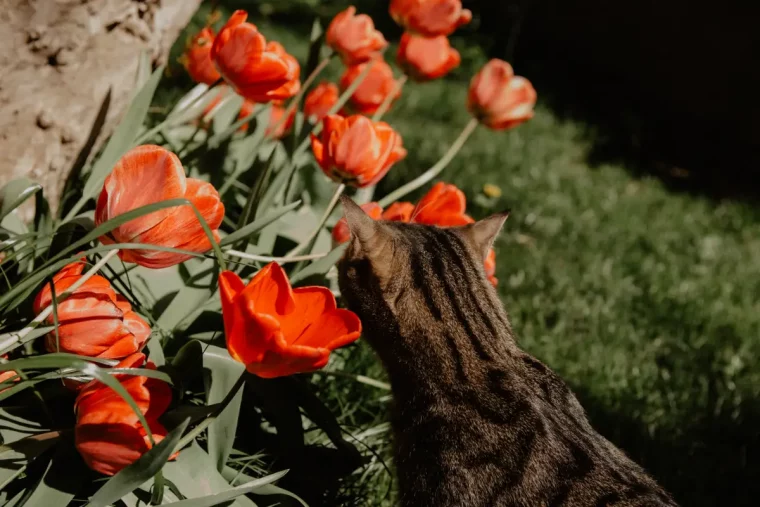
(68, 68)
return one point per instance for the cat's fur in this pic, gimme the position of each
(477, 422)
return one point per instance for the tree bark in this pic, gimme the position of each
(67, 72)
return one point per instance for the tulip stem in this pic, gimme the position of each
(10, 339)
(433, 171)
(279, 260)
(389, 98)
(310, 240)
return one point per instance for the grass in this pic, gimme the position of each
(644, 301)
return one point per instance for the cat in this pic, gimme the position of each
(476, 421)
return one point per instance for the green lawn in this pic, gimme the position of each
(645, 301)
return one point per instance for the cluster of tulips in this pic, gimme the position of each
(271, 327)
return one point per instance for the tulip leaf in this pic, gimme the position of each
(231, 494)
(258, 224)
(316, 39)
(225, 372)
(224, 115)
(14, 193)
(140, 471)
(190, 297)
(320, 266)
(121, 140)
(63, 477)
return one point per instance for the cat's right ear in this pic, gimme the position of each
(483, 232)
(362, 227)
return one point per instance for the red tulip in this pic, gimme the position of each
(7, 375)
(197, 58)
(430, 17)
(108, 433)
(424, 58)
(354, 37)
(399, 212)
(341, 233)
(444, 205)
(279, 127)
(149, 174)
(355, 150)
(94, 321)
(499, 99)
(276, 330)
(374, 88)
(256, 70)
(319, 101)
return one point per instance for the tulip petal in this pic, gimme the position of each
(270, 290)
(310, 304)
(332, 329)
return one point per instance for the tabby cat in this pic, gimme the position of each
(476, 421)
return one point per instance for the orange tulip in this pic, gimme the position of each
(355, 150)
(399, 212)
(149, 174)
(426, 58)
(444, 205)
(374, 88)
(277, 128)
(7, 375)
(354, 37)
(276, 330)
(341, 233)
(430, 17)
(256, 70)
(94, 321)
(197, 58)
(319, 101)
(108, 434)
(499, 99)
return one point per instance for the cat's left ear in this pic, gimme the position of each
(482, 233)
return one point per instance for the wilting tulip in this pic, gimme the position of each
(426, 58)
(256, 70)
(430, 17)
(398, 212)
(444, 205)
(341, 233)
(149, 174)
(499, 99)
(276, 330)
(374, 88)
(108, 433)
(197, 58)
(319, 101)
(355, 150)
(354, 37)
(93, 321)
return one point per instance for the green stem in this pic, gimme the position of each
(328, 211)
(433, 171)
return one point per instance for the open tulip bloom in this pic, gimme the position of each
(354, 37)
(276, 330)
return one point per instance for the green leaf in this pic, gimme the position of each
(233, 476)
(321, 266)
(191, 297)
(15, 192)
(224, 114)
(316, 39)
(258, 224)
(64, 476)
(140, 471)
(231, 494)
(121, 140)
(250, 208)
(225, 372)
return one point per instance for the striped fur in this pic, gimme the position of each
(477, 422)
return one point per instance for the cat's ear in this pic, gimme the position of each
(483, 232)
(360, 224)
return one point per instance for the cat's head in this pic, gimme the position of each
(392, 266)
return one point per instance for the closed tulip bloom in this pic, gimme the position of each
(276, 330)
(499, 99)
(108, 434)
(374, 88)
(354, 37)
(341, 233)
(490, 267)
(7, 375)
(279, 126)
(256, 70)
(94, 321)
(149, 174)
(426, 58)
(197, 58)
(319, 101)
(399, 212)
(430, 17)
(355, 150)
